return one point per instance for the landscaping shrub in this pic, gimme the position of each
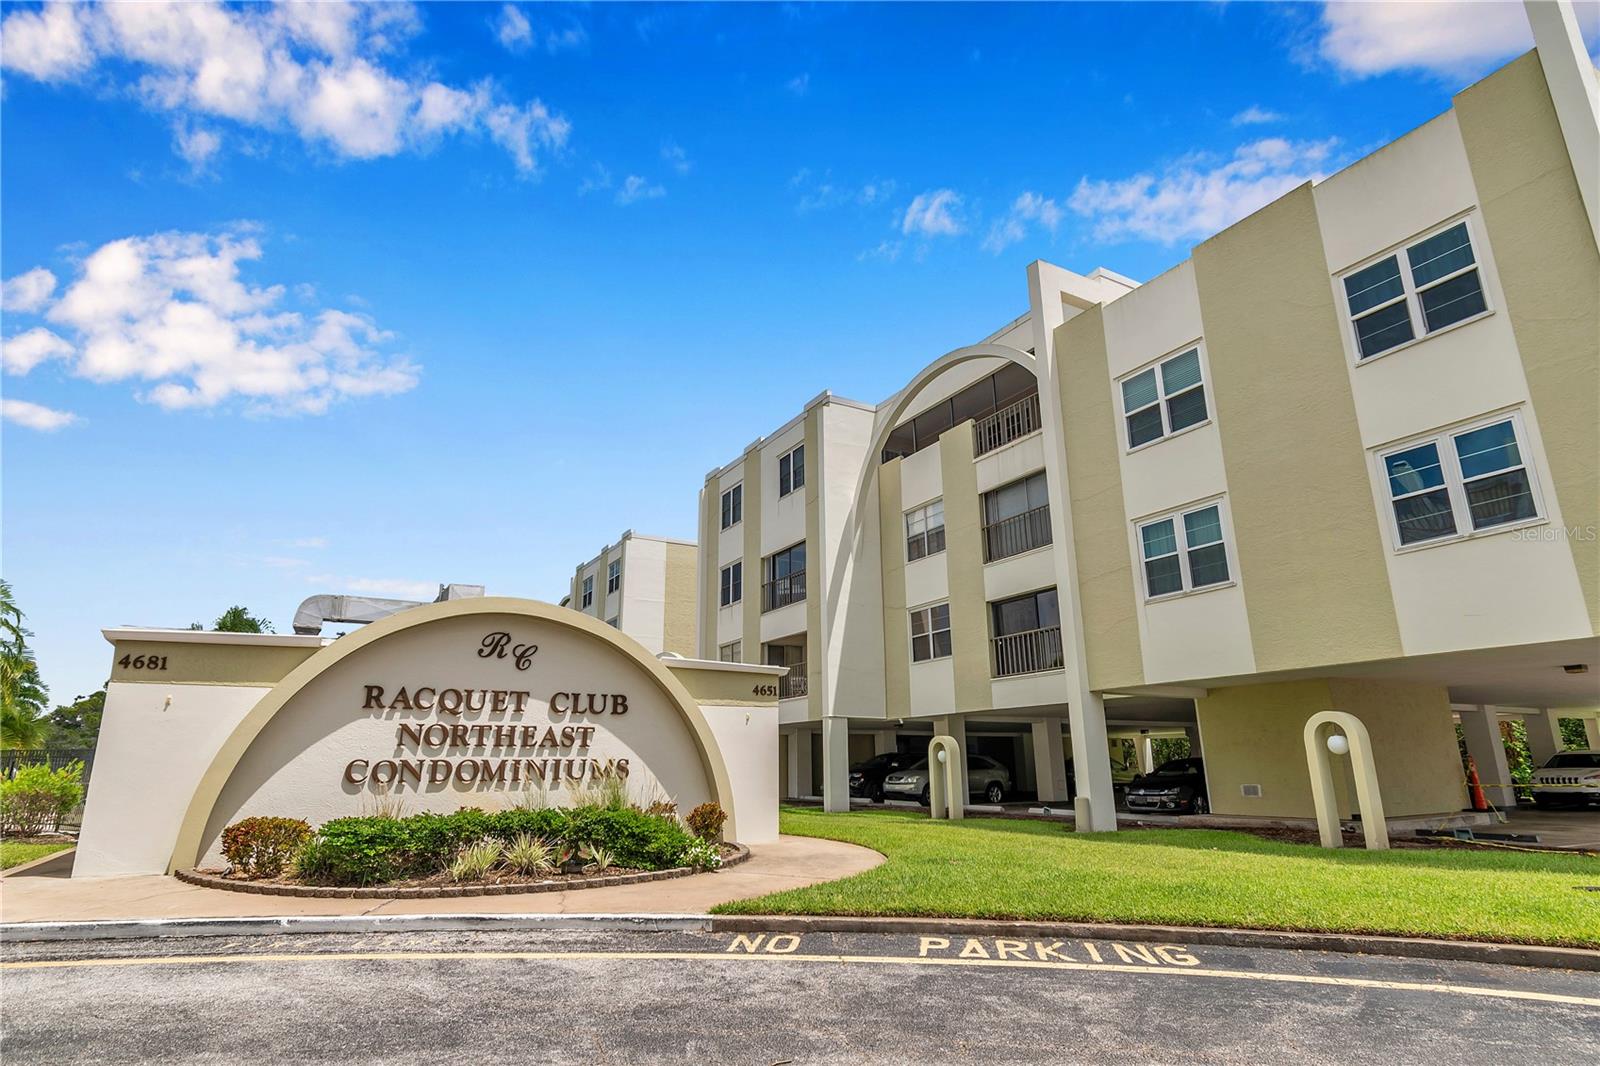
(706, 820)
(37, 798)
(529, 855)
(365, 851)
(474, 861)
(260, 847)
(702, 855)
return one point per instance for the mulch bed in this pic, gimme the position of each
(440, 886)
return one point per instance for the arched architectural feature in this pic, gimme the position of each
(191, 835)
(1318, 729)
(945, 794)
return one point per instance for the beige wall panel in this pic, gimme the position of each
(963, 533)
(1316, 571)
(1550, 273)
(921, 478)
(710, 571)
(1014, 461)
(750, 610)
(1253, 734)
(188, 663)
(783, 518)
(811, 610)
(932, 688)
(678, 614)
(896, 626)
(1027, 572)
(1099, 525)
(1159, 317)
(854, 580)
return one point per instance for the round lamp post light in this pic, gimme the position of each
(1338, 743)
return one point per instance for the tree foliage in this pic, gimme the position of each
(238, 619)
(77, 724)
(22, 692)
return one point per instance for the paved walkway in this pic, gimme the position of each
(48, 894)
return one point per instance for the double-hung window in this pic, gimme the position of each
(925, 530)
(733, 506)
(731, 652)
(732, 584)
(930, 633)
(588, 591)
(1164, 399)
(792, 470)
(1432, 284)
(1459, 483)
(614, 575)
(1184, 551)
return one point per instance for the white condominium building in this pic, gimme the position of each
(1345, 456)
(644, 586)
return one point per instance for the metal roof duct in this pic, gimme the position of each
(358, 610)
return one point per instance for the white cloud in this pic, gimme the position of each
(1256, 115)
(514, 29)
(396, 588)
(599, 179)
(35, 416)
(936, 213)
(799, 85)
(820, 191)
(28, 292)
(1029, 208)
(25, 351)
(309, 542)
(327, 72)
(1198, 195)
(171, 313)
(887, 251)
(635, 188)
(1454, 39)
(675, 157)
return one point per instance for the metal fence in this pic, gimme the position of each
(12, 760)
(793, 684)
(1006, 425)
(783, 591)
(1017, 534)
(1028, 652)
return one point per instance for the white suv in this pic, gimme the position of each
(1569, 778)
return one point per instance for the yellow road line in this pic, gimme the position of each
(696, 956)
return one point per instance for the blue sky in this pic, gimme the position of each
(337, 299)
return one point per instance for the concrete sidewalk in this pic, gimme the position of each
(47, 894)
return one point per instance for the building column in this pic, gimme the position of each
(1544, 736)
(800, 762)
(955, 728)
(1193, 733)
(1481, 726)
(835, 763)
(1147, 755)
(1591, 730)
(884, 743)
(1049, 761)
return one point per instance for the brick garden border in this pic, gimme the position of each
(266, 888)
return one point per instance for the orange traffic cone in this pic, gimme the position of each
(1480, 802)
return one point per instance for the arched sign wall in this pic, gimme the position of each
(462, 703)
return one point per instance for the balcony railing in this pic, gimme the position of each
(1006, 425)
(1017, 534)
(1028, 652)
(782, 591)
(793, 683)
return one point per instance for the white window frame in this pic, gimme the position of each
(1419, 324)
(911, 634)
(586, 598)
(1197, 345)
(731, 652)
(1454, 485)
(739, 565)
(615, 622)
(613, 576)
(732, 504)
(788, 457)
(922, 513)
(1182, 533)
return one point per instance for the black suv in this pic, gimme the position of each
(1177, 786)
(866, 778)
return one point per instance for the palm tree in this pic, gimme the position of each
(22, 711)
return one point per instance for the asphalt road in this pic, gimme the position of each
(637, 997)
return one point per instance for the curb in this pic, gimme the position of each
(1347, 943)
(352, 923)
(516, 888)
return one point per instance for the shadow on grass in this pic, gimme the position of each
(1199, 839)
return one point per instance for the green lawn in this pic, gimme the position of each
(992, 868)
(14, 854)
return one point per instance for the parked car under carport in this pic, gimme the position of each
(1177, 786)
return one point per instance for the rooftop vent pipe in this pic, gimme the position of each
(315, 610)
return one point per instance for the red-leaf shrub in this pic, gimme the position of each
(706, 820)
(259, 847)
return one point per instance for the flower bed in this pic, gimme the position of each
(469, 852)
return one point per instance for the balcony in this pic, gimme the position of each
(782, 591)
(1017, 534)
(1028, 652)
(1006, 425)
(793, 684)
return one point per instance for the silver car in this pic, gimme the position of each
(985, 778)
